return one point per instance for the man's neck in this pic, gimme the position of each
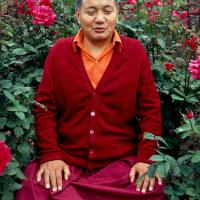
(97, 47)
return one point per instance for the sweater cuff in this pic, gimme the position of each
(144, 155)
(50, 156)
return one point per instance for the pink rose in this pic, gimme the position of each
(32, 3)
(194, 68)
(43, 15)
(5, 157)
(151, 3)
(132, 2)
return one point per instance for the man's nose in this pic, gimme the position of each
(100, 18)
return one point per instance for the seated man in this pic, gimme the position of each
(94, 87)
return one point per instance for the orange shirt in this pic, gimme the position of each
(95, 67)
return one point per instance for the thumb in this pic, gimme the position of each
(132, 174)
(66, 172)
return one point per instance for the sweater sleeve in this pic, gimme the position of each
(45, 112)
(149, 111)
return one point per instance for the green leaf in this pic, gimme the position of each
(16, 62)
(163, 169)
(191, 192)
(21, 115)
(161, 42)
(2, 137)
(19, 52)
(9, 95)
(6, 84)
(24, 150)
(18, 131)
(179, 92)
(15, 186)
(183, 128)
(30, 48)
(161, 140)
(196, 157)
(151, 170)
(12, 168)
(21, 108)
(186, 134)
(12, 109)
(177, 97)
(170, 160)
(11, 124)
(8, 196)
(20, 174)
(6, 32)
(149, 136)
(192, 99)
(176, 171)
(26, 124)
(169, 190)
(3, 121)
(157, 158)
(8, 43)
(183, 158)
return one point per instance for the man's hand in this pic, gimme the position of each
(53, 172)
(147, 183)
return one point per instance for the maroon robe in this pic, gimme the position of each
(108, 183)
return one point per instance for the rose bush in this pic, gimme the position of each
(169, 29)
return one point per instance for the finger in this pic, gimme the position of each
(145, 184)
(151, 184)
(53, 180)
(46, 179)
(140, 183)
(132, 174)
(66, 172)
(159, 179)
(39, 174)
(59, 179)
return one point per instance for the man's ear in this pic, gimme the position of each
(78, 15)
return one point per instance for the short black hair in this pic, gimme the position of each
(79, 3)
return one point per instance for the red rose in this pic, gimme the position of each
(45, 2)
(53, 32)
(192, 43)
(189, 115)
(5, 157)
(169, 66)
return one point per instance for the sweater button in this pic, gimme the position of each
(92, 113)
(94, 94)
(91, 153)
(91, 132)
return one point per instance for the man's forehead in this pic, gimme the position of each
(97, 3)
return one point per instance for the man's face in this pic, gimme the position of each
(98, 19)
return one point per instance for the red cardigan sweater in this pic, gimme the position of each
(91, 127)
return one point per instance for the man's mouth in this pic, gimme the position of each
(99, 29)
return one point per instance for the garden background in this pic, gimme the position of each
(169, 29)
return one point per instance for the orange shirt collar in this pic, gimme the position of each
(78, 41)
